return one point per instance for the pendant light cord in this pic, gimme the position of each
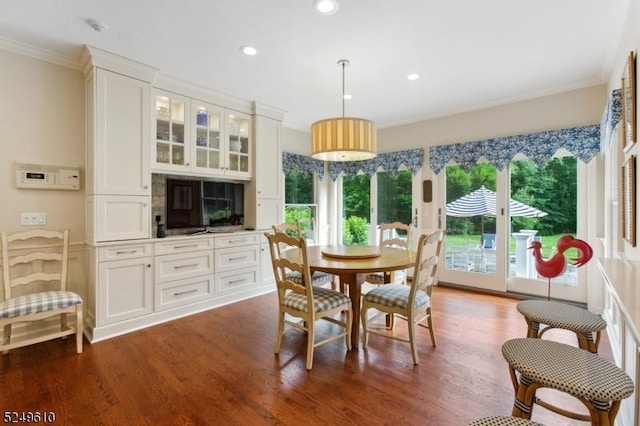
(343, 65)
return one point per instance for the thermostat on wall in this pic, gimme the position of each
(38, 176)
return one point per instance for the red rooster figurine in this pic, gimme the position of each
(556, 265)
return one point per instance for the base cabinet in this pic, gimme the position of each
(124, 288)
(140, 283)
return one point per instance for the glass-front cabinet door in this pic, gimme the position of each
(207, 149)
(238, 129)
(172, 132)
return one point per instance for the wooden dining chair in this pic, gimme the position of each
(318, 277)
(394, 234)
(301, 300)
(411, 301)
(34, 269)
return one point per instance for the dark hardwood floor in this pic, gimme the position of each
(218, 368)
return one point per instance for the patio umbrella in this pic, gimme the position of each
(482, 202)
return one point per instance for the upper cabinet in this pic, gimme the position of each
(238, 144)
(118, 149)
(195, 137)
(118, 180)
(207, 151)
(171, 135)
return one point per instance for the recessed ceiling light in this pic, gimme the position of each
(248, 50)
(326, 7)
(413, 76)
(97, 25)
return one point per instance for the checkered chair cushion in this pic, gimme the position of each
(375, 278)
(38, 302)
(504, 421)
(569, 369)
(561, 315)
(324, 299)
(318, 278)
(396, 295)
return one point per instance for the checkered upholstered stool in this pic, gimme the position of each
(504, 421)
(594, 381)
(565, 316)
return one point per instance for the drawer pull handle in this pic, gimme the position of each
(185, 246)
(126, 251)
(191, 265)
(237, 241)
(180, 293)
(231, 259)
(237, 281)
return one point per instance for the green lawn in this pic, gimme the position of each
(548, 242)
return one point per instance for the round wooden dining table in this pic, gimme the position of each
(352, 264)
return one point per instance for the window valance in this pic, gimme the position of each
(610, 118)
(304, 164)
(583, 142)
(390, 162)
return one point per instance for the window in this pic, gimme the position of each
(299, 197)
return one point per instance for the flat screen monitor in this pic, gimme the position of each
(201, 203)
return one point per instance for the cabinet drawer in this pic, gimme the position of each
(236, 240)
(231, 282)
(130, 251)
(231, 259)
(173, 294)
(173, 267)
(182, 246)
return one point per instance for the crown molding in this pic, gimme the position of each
(94, 57)
(270, 111)
(34, 52)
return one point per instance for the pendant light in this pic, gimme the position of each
(343, 138)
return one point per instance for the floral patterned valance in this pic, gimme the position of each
(390, 162)
(610, 117)
(304, 164)
(583, 142)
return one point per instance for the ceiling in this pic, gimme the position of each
(470, 53)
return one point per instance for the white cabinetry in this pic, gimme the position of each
(171, 150)
(118, 179)
(267, 189)
(124, 283)
(199, 138)
(183, 272)
(237, 263)
(140, 283)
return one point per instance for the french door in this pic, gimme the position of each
(492, 217)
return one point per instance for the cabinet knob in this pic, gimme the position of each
(148, 265)
(186, 164)
(146, 187)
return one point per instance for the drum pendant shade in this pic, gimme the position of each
(343, 138)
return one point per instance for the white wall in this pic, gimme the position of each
(630, 41)
(296, 142)
(42, 121)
